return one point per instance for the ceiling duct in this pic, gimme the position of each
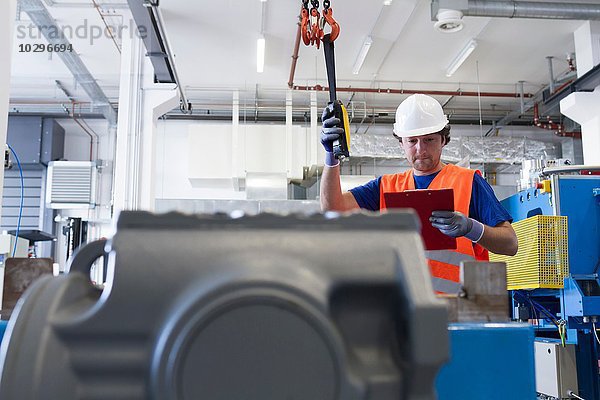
(48, 27)
(517, 9)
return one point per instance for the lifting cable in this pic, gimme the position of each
(312, 28)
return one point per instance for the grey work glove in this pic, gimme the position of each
(331, 130)
(456, 224)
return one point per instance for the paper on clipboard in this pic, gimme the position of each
(424, 202)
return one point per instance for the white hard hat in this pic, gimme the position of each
(419, 115)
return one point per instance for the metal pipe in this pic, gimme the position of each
(84, 129)
(569, 168)
(185, 105)
(531, 9)
(559, 129)
(551, 72)
(319, 88)
(522, 96)
(564, 85)
(42, 102)
(114, 6)
(295, 56)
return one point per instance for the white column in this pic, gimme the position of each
(237, 160)
(128, 128)
(584, 107)
(288, 132)
(141, 103)
(587, 46)
(8, 9)
(158, 99)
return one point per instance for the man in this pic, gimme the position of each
(480, 222)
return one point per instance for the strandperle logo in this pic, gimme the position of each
(84, 31)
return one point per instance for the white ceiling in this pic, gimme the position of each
(33, 75)
(214, 43)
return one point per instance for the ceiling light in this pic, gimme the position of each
(461, 57)
(260, 54)
(449, 21)
(362, 54)
(387, 2)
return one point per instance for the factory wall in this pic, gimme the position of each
(199, 160)
(196, 160)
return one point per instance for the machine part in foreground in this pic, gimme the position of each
(213, 307)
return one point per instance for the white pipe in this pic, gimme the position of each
(530, 9)
(551, 72)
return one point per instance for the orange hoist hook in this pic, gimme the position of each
(335, 27)
(304, 26)
(316, 33)
(312, 23)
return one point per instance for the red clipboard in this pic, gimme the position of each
(424, 202)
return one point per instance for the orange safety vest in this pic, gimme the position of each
(443, 264)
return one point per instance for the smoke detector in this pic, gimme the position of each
(449, 21)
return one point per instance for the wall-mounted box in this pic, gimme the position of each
(53, 141)
(71, 184)
(555, 369)
(36, 140)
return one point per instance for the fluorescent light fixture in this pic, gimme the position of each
(461, 57)
(362, 54)
(387, 2)
(260, 54)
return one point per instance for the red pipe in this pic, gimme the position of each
(295, 56)
(561, 87)
(84, 129)
(558, 128)
(320, 88)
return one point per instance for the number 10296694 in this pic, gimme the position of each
(44, 48)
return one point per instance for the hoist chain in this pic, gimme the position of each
(312, 23)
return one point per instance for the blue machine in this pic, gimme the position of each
(471, 376)
(578, 304)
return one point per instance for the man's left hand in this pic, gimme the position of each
(455, 224)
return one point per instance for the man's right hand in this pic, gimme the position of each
(331, 130)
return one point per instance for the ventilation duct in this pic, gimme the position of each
(517, 9)
(504, 150)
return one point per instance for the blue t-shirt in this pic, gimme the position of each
(484, 206)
